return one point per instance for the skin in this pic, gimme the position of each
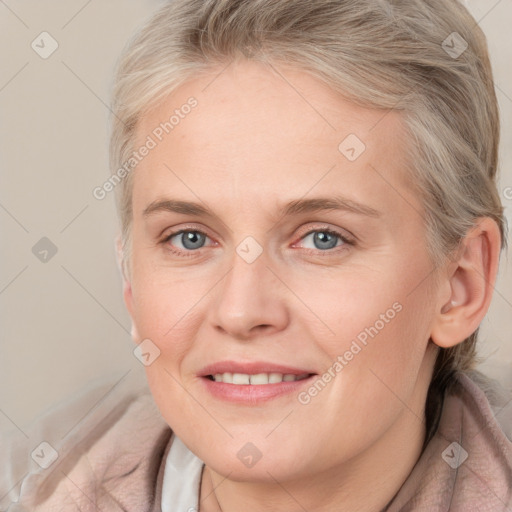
(252, 144)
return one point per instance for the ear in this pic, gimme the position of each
(468, 285)
(127, 287)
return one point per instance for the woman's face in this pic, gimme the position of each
(303, 254)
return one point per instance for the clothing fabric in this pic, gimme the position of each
(182, 479)
(123, 457)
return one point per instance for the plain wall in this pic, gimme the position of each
(62, 322)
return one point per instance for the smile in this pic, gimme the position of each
(251, 383)
(257, 379)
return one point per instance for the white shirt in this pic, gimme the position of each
(182, 479)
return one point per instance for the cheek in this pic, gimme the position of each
(379, 325)
(379, 362)
(163, 313)
(366, 305)
(163, 297)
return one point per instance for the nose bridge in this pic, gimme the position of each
(247, 297)
(244, 278)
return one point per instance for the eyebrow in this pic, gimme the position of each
(295, 207)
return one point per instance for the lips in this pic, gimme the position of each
(253, 368)
(257, 379)
(252, 382)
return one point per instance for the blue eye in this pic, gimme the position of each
(324, 239)
(189, 240)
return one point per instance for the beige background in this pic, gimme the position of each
(63, 323)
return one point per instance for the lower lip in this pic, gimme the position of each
(253, 394)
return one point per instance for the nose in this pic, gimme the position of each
(249, 301)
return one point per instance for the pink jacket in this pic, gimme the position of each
(113, 458)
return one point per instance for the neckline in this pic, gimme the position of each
(181, 479)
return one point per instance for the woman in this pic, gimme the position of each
(310, 237)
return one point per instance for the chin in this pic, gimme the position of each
(248, 465)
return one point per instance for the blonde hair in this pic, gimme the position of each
(385, 54)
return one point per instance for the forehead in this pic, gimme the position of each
(256, 130)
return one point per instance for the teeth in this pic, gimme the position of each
(257, 379)
(275, 377)
(241, 378)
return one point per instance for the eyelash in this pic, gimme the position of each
(327, 252)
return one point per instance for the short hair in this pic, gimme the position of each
(426, 59)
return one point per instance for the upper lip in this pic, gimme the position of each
(250, 368)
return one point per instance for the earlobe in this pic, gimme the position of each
(128, 296)
(127, 287)
(471, 280)
(120, 256)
